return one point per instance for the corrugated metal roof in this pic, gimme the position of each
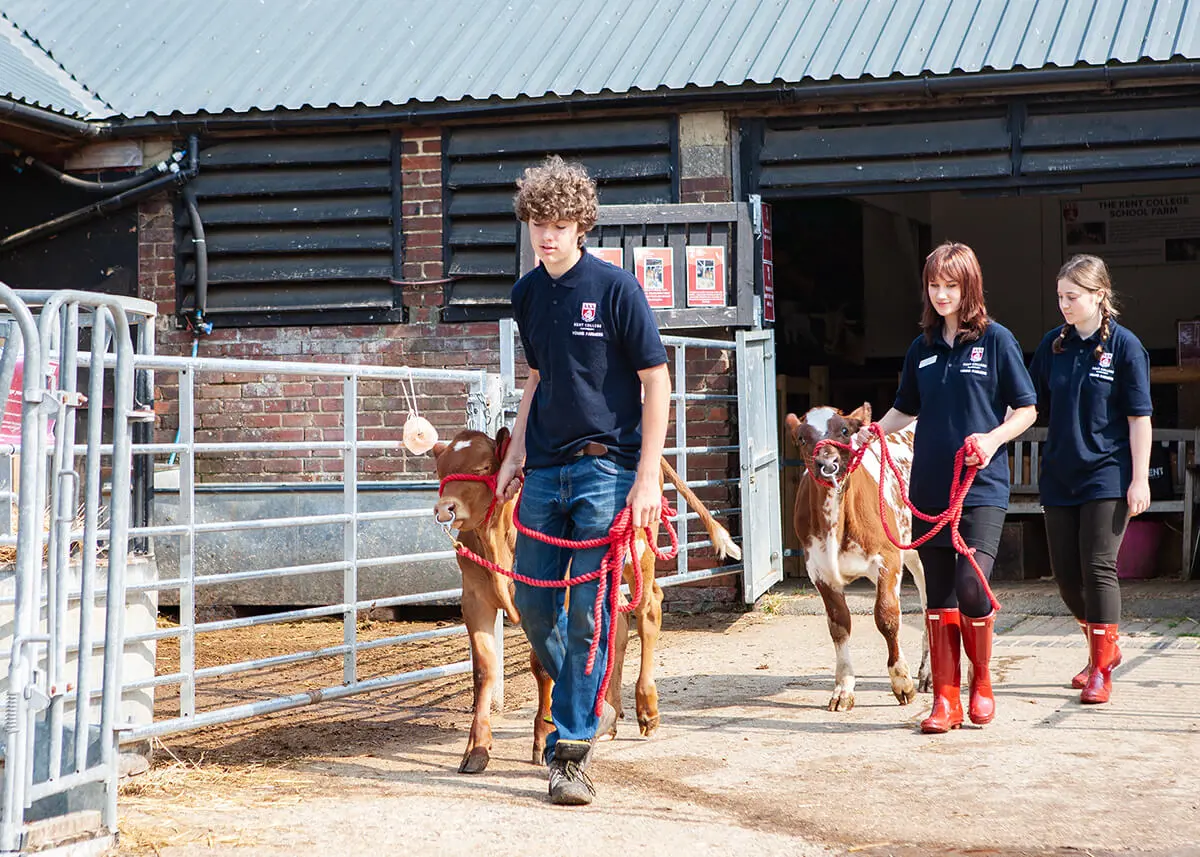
(179, 56)
(28, 74)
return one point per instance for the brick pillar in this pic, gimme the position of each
(705, 161)
(421, 219)
(156, 282)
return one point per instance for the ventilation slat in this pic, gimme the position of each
(300, 225)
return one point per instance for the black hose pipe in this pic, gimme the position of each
(201, 249)
(90, 212)
(170, 165)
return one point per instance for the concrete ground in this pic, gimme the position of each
(749, 761)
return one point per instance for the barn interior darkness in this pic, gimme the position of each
(847, 279)
(98, 255)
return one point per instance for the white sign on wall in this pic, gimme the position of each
(1134, 230)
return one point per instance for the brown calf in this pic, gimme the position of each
(843, 540)
(484, 593)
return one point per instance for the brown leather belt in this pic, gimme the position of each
(592, 448)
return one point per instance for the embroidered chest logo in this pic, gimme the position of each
(588, 325)
(1103, 368)
(975, 364)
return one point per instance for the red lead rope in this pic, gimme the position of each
(964, 475)
(621, 541)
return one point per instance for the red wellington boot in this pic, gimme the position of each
(1081, 678)
(977, 643)
(944, 651)
(1102, 642)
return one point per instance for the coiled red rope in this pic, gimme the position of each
(960, 485)
(621, 541)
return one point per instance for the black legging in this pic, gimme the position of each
(1083, 542)
(950, 580)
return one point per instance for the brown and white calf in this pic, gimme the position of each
(844, 540)
(484, 592)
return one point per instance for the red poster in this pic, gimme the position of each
(768, 291)
(706, 276)
(10, 425)
(768, 264)
(612, 255)
(654, 270)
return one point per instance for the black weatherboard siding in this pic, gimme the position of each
(631, 160)
(300, 230)
(1025, 143)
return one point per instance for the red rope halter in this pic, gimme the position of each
(960, 485)
(621, 541)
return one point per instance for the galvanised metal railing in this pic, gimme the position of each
(40, 676)
(187, 528)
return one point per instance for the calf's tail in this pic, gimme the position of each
(723, 543)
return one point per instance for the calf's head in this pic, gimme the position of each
(473, 453)
(825, 423)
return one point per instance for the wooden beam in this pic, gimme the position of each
(1174, 374)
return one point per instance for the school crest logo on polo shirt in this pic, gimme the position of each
(588, 324)
(1103, 370)
(975, 364)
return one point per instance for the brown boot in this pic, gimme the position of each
(944, 652)
(1081, 678)
(1102, 642)
(977, 643)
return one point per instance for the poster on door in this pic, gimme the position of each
(612, 255)
(768, 265)
(1133, 230)
(654, 270)
(10, 422)
(705, 276)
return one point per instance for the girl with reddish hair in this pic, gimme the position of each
(965, 377)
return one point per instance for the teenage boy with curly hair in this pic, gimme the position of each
(588, 436)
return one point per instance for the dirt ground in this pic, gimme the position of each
(748, 759)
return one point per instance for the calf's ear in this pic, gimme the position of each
(503, 436)
(862, 414)
(792, 423)
(438, 449)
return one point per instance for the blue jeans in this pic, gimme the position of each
(575, 501)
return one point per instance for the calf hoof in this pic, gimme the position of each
(647, 725)
(925, 679)
(841, 701)
(539, 755)
(475, 762)
(902, 687)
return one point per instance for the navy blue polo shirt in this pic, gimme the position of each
(1087, 402)
(588, 334)
(959, 391)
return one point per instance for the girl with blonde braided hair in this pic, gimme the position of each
(1093, 381)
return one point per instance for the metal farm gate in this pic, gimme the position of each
(734, 468)
(63, 579)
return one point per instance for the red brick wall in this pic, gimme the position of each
(236, 407)
(707, 189)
